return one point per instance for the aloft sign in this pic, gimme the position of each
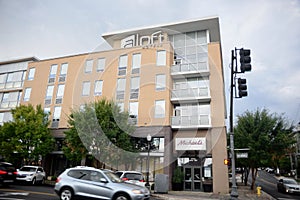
(145, 40)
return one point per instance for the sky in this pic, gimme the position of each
(270, 28)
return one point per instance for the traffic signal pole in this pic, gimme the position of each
(245, 61)
(234, 193)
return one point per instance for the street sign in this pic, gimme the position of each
(242, 155)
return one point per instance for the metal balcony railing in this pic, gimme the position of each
(194, 93)
(190, 121)
(190, 67)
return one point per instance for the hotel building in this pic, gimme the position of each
(169, 77)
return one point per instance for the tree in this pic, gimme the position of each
(100, 129)
(267, 136)
(28, 134)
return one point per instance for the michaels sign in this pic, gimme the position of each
(146, 40)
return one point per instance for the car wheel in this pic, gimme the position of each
(66, 194)
(33, 181)
(122, 197)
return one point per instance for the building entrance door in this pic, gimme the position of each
(193, 178)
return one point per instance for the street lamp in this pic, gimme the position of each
(148, 143)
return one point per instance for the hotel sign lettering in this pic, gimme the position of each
(190, 143)
(146, 40)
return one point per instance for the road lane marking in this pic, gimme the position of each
(31, 192)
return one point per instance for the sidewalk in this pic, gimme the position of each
(244, 192)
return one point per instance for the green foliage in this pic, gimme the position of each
(28, 134)
(100, 128)
(178, 175)
(267, 135)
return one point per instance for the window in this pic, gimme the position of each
(160, 82)
(133, 112)
(14, 79)
(101, 65)
(49, 94)
(27, 94)
(134, 87)
(53, 70)
(136, 63)
(133, 109)
(159, 109)
(98, 87)
(161, 58)
(88, 66)
(31, 74)
(86, 88)
(60, 93)
(121, 105)
(122, 65)
(47, 110)
(63, 72)
(56, 113)
(52, 75)
(121, 85)
(2, 80)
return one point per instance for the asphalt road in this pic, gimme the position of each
(28, 192)
(268, 182)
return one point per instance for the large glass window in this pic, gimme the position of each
(56, 113)
(122, 65)
(121, 85)
(88, 66)
(49, 92)
(161, 58)
(53, 71)
(98, 87)
(63, 72)
(136, 63)
(60, 91)
(160, 82)
(101, 64)
(160, 109)
(31, 74)
(134, 87)
(27, 94)
(134, 109)
(86, 88)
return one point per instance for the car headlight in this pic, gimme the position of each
(30, 174)
(137, 191)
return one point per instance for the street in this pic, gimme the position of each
(268, 182)
(28, 192)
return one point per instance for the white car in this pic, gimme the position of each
(31, 174)
(132, 177)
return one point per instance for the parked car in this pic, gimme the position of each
(89, 182)
(288, 185)
(132, 177)
(31, 174)
(7, 173)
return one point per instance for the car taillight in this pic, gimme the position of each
(3, 172)
(125, 179)
(58, 179)
(142, 180)
(15, 173)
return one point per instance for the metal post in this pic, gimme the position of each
(234, 193)
(148, 156)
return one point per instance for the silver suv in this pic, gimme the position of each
(31, 174)
(98, 184)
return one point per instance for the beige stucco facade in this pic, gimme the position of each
(212, 129)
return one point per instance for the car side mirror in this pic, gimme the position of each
(103, 180)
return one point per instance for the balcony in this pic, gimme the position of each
(190, 69)
(188, 122)
(201, 94)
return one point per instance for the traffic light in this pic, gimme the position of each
(245, 60)
(227, 161)
(242, 87)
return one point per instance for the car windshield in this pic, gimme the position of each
(114, 178)
(28, 169)
(133, 176)
(290, 182)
